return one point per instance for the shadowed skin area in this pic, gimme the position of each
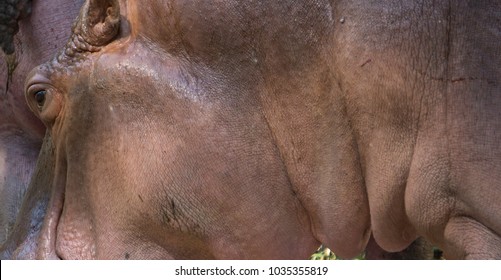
(419, 249)
(37, 31)
(185, 129)
(10, 13)
(19, 146)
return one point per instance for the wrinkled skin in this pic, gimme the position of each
(41, 31)
(260, 129)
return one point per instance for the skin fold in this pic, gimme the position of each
(260, 129)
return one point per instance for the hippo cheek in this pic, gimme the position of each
(67, 230)
(75, 235)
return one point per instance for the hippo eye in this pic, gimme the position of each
(43, 98)
(40, 98)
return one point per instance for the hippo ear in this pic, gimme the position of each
(99, 21)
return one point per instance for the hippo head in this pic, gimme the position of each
(260, 129)
(157, 145)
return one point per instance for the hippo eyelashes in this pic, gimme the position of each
(40, 98)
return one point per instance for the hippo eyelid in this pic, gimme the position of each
(45, 101)
(34, 88)
(38, 95)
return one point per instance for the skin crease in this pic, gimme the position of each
(41, 33)
(325, 110)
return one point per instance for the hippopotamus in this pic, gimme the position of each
(30, 34)
(260, 129)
